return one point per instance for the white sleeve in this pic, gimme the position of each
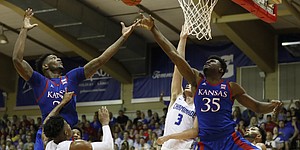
(107, 141)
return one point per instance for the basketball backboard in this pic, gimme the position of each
(266, 10)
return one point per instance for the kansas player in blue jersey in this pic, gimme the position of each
(214, 98)
(48, 83)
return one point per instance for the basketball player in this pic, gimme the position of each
(213, 97)
(48, 83)
(57, 129)
(181, 111)
(257, 136)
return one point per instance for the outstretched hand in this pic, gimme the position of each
(126, 31)
(103, 115)
(146, 22)
(277, 106)
(67, 97)
(26, 22)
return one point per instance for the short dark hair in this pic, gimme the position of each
(54, 126)
(222, 61)
(79, 129)
(39, 63)
(263, 134)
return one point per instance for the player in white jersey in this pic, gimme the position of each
(57, 129)
(181, 111)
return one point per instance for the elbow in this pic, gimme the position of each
(16, 61)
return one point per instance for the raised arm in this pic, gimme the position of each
(176, 85)
(107, 141)
(55, 111)
(246, 100)
(22, 67)
(91, 67)
(184, 68)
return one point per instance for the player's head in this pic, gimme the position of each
(57, 128)
(215, 64)
(255, 134)
(77, 133)
(49, 62)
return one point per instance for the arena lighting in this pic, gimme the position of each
(292, 47)
(3, 38)
(290, 43)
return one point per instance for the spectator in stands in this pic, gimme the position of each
(136, 141)
(129, 142)
(276, 137)
(83, 119)
(261, 119)
(157, 129)
(143, 145)
(270, 124)
(270, 143)
(282, 114)
(129, 125)
(236, 115)
(117, 138)
(29, 143)
(149, 115)
(138, 116)
(287, 133)
(246, 115)
(15, 120)
(124, 146)
(253, 122)
(143, 119)
(122, 119)
(24, 119)
(155, 117)
(296, 125)
(89, 132)
(39, 122)
(95, 124)
(113, 120)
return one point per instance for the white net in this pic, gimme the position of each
(197, 16)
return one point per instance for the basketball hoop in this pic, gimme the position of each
(197, 17)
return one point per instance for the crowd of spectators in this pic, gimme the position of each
(141, 132)
(282, 130)
(18, 134)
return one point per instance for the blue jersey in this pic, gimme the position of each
(49, 93)
(213, 105)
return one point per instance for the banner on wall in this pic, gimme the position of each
(148, 89)
(101, 89)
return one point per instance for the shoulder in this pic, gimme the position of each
(236, 89)
(80, 145)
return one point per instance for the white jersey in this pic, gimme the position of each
(106, 144)
(64, 145)
(180, 117)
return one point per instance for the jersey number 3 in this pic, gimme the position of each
(210, 102)
(179, 119)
